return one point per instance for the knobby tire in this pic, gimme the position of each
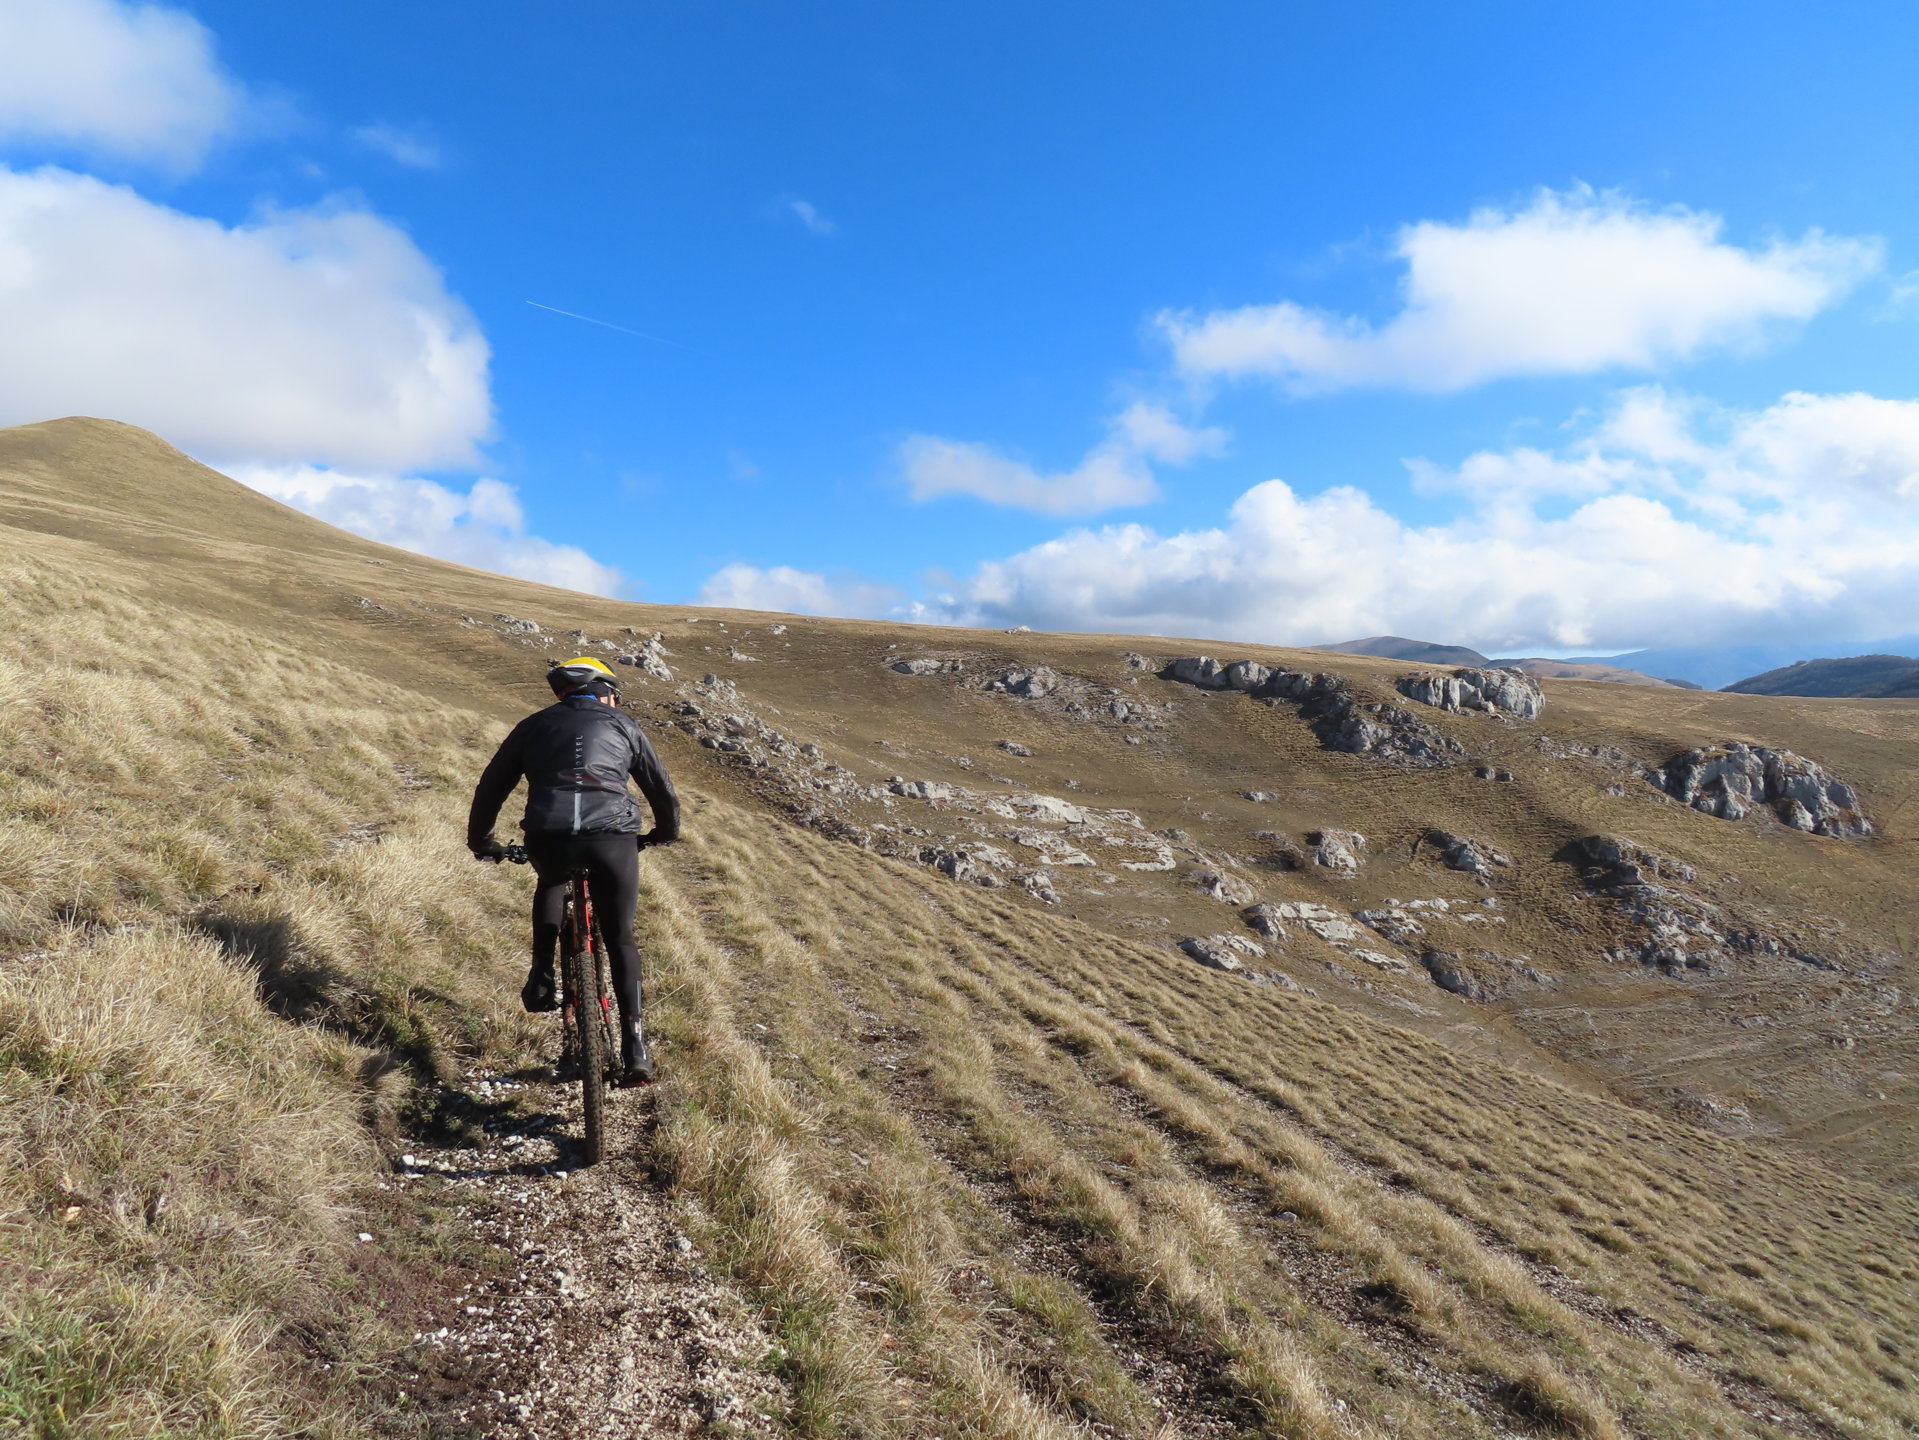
(582, 1006)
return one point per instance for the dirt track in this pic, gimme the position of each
(600, 1318)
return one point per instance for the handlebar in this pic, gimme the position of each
(516, 853)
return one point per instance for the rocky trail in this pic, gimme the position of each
(589, 1312)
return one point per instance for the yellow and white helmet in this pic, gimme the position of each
(582, 672)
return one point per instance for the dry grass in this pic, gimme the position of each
(183, 823)
(991, 1172)
(926, 1123)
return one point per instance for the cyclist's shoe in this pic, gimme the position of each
(636, 1065)
(539, 993)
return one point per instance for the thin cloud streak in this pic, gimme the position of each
(637, 334)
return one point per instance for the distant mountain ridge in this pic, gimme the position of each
(1547, 669)
(1705, 667)
(1716, 667)
(1398, 647)
(1428, 652)
(1877, 677)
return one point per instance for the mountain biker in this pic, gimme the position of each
(576, 756)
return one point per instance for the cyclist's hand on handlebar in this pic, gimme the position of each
(489, 850)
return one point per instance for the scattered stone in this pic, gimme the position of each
(1258, 797)
(1013, 747)
(1339, 717)
(1493, 692)
(924, 666)
(1671, 929)
(1487, 772)
(972, 864)
(1323, 922)
(1027, 684)
(1449, 975)
(1391, 922)
(649, 657)
(515, 626)
(1379, 960)
(1337, 849)
(1474, 857)
(1136, 661)
(1228, 889)
(1613, 861)
(1731, 779)
(1021, 630)
(922, 789)
(1222, 952)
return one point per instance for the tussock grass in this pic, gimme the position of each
(927, 1122)
(184, 816)
(990, 1172)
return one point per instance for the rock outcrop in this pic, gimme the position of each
(1493, 692)
(1217, 885)
(1449, 975)
(1338, 849)
(1030, 684)
(648, 655)
(1474, 857)
(1673, 929)
(1222, 952)
(1320, 921)
(1341, 718)
(1612, 861)
(1481, 974)
(1732, 779)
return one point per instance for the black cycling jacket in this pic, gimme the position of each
(576, 756)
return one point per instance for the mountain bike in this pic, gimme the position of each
(589, 1038)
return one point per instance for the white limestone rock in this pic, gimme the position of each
(1338, 850)
(1222, 952)
(1228, 889)
(1492, 692)
(1732, 779)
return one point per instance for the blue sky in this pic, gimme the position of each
(1012, 313)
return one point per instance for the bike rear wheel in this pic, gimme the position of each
(583, 1011)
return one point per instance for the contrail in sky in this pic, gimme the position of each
(641, 334)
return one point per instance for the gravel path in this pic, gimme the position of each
(599, 1317)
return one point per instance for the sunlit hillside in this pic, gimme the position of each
(1059, 1041)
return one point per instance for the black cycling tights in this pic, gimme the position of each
(612, 865)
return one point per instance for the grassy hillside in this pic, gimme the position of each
(993, 1156)
(1883, 677)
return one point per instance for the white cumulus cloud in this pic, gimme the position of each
(1574, 283)
(320, 335)
(137, 81)
(798, 592)
(1671, 522)
(1116, 472)
(484, 527)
